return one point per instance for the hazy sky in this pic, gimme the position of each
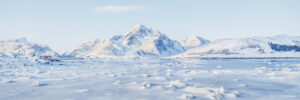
(66, 24)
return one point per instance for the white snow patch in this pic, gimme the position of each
(82, 90)
(146, 85)
(35, 83)
(117, 83)
(211, 93)
(176, 84)
(187, 97)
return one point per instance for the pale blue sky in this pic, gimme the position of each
(66, 24)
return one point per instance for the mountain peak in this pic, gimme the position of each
(23, 39)
(194, 41)
(139, 41)
(194, 37)
(139, 26)
(141, 30)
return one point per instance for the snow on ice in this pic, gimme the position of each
(150, 79)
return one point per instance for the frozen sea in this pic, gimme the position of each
(150, 79)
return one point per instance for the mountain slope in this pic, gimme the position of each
(160, 45)
(139, 41)
(194, 41)
(253, 46)
(22, 47)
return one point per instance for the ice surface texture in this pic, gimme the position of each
(148, 79)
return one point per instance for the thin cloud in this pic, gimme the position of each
(116, 9)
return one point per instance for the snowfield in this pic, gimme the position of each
(150, 79)
(145, 64)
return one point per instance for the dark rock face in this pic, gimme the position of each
(278, 47)
(165, 45)
(116, 38)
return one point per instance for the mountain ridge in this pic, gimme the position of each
(143, 41)
(23, 47)
(138, 41)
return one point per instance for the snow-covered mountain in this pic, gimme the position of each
(144, 41)
(253, 46)
(193, 41)
(22, 47)
(139, 41)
